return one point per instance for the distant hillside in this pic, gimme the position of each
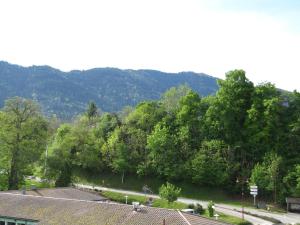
(67, 93)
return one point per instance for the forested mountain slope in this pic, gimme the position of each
(67, 93)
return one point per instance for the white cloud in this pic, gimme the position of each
(169, 35)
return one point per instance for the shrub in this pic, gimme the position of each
(210, 209)
(245, 223)
(169, 192)
(199, 209)
(191, 206)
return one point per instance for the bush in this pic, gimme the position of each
(3, 181)
(210, 209)
(198, 209)
(245, 223)
(169, 192)
(119, 197)
(191, 206)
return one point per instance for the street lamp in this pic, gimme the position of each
(243, 178)
(242, 181)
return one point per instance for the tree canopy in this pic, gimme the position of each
(243, 131)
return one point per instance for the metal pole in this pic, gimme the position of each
(243, 199)
(254, 200)
(46, 157)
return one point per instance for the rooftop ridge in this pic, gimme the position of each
(185, 219)
(44, 188)
(54, 198)
(80, 200)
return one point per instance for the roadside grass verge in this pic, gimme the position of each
(136, 183)
(30, 183)
(228, 219)
(160, 203)
(273, 220)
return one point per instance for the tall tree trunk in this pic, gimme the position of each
(123, 174)
(13, 180)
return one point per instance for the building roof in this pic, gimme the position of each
(196, 220)
(293, 200)
(69, 193)
(15, 218)
(60, 211)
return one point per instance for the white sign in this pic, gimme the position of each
(253, 191)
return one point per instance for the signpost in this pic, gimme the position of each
(254, 192)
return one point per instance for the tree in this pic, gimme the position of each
(292, 181)
(106, 125)
(23, 132)
(188, 125)
(210, 208)
(225, 118)
(92, 110)
(76, 145)
(117, 153)
(266, 174)
(164, 155)
(171, 98)
(61, 157)
(227, 115)
(264, 122)
(145, 116)
(209, 167)
(291, 148)
(125, 149)
(169, 192)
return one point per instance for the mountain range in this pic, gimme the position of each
(67, 94)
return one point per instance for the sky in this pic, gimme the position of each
(210, 36)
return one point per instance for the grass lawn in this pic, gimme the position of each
(30, 183)
(228, 219)
(160, 203)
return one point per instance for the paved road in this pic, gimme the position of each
(226, 209)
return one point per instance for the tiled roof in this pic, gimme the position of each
(59, 211)
(293, 200)
(197, 220)
(69, 193)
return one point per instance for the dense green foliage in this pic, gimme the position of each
(210, 209)
(66, 94)
(23, 135)
(169, 192)
(244, 131)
